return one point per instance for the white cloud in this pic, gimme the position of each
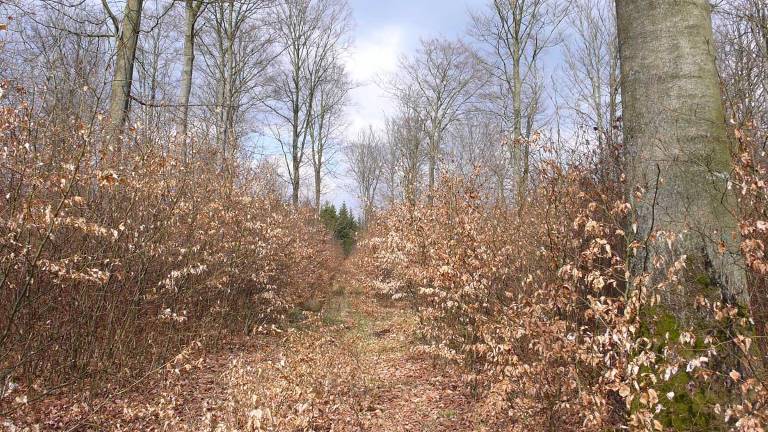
(374, 56)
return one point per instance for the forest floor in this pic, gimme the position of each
(352, 367)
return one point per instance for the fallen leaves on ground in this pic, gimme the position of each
(351, 368)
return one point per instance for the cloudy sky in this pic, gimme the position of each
(385, 30)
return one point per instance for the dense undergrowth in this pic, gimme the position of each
(115, 255)
(537, 306)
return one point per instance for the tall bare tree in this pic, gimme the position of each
(445, 77)
(61, 55)
(311, 33)
(236, 47)
(192, 12)
(479, 153)
(592, 62)
(327, 122)
(741, 30)
(405, 140)
(514, 34)
(127, 34)
(152, 89)
(366, 162)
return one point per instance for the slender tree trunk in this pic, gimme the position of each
(296, 182)
(678, 159)
(318, 168)
(229, 80)
(318, 189)
(409, 182)
(317, 163)
(318, 147)
(153, 116)
(597, 101)
(295, 161)
(517, 127)
(613, 118)
(432, 168)
(125, 57)
(191, 13)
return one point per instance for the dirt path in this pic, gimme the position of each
(349, 368)
(352, 368)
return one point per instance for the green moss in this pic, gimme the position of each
(691, 407)
(449, 413)
(659, 324)
(704, 280)
(667, 325)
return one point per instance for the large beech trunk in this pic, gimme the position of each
(679, 156)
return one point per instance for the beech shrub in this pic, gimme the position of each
(117, 254)
(535, 303)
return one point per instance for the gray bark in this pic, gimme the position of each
(127, 40)
(678, 151)
(192, 11)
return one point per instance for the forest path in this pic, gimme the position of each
(350, 368)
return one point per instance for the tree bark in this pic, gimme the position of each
(191, 14)
(295, 158)
(431, 168)
(678, 152)
(317, 156)
(127, 42)
(517, 127)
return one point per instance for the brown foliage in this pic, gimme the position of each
(537, 307)
(113, 260)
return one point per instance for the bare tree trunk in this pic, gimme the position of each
(296, 158)
(296, 182)
(192, 12)
(517, 97)
(318, 189)
(517, 126)
(678, 151)
(613, 121)
(318, 138)
(229, 101)
(127, 41)
(317, 155)
(319, 161)
(431, 168)
(597, 101)
(152, 63)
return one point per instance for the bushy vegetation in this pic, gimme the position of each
(563, 218)
(537, 307)
(117, 254)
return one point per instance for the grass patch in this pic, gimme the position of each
(336, 308)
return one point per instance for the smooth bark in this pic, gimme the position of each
(191, 14)
(678, 152)
(127, 41)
